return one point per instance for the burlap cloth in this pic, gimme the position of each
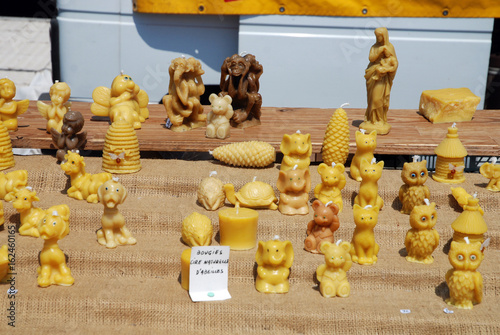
(136, 289)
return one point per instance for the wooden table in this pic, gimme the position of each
(411, 133)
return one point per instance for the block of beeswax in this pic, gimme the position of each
(448, 105)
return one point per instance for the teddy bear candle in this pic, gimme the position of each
(333, 274)
(238, 228)
(324, 223)
(113, 232)
(53, 268)
(9, 108)
(332, 183)
(54, 113)
(274, 259)
(218, 118)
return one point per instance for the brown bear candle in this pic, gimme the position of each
(240, 80)
(182, 102)
(68, 139)
(379, 76)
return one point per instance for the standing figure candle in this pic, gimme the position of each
(333, 274)
(332, 183)
(464, 281)
(364, 249)
(413, 192)
(365, 146)
(113, 232)
(68, 138)
(470, 223)
(492, 172)
(218, 118)
(182, 103)
(450, 159)
(9, 108)
(379, 76)
(274, 259)
(324, 223)
(336, 142)
(368, 189)
(239, 79)
(238, 228)
(297, 150)
(53, 268)
(54, 114)
(422, 239)
(294, 186)
(125, 100)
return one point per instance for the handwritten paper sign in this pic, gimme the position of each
(208, 273)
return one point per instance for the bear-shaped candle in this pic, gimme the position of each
(450, 159)
(54, 113)
(422, 239)
(9, 108)
(218, 118)
(238, 228)
(492, 172)
(336, 142)
(332, 183)
(470, 223)
(413, 192)
(333, 274)
(274, 259)
(321, 228)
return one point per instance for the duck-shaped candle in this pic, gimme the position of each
(450, 159)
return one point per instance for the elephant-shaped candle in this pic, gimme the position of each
(274, 259)
(492, 172)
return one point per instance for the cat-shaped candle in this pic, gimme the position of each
(368, 190)
(365, 146)
(364, 249)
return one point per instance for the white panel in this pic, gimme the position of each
(320, 61)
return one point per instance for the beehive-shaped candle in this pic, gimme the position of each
(121, 149)
(6, 155)
(470, 223)
(450, 159)
(336, 141)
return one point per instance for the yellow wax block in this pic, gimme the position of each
(238, 228)
(448, 105)
(185, 263)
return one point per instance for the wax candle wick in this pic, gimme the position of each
(55, 213)
(427, 202)
(254, 178)
(295, 167)
(374, 161)
(276, 237)
(328, 203)
(121, 72)
(298, 132)
(212, 173)
(415, 158)
(474, 195)
(454, 125)
(493, 160)
(344, 105)
(210, 152)
(333, 164)
(363, 131)
(116, 179)
(466, 240)
(338, 242)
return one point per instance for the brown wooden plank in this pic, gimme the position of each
(410, 134)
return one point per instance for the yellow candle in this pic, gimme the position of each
(238, 228)
(185, 263)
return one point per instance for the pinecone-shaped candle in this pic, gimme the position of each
(6, 155)
(246, 154)
(336, 141)
(121, 149)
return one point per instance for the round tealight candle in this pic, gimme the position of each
(238, 228)
(185, 263)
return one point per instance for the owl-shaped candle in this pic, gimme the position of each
(470, 223)
(413, 192)
(450, 159)
(422, 239)
(464, 282)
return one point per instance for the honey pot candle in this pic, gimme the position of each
(238, 228)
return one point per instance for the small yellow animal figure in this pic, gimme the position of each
(413, 192)
(462, 197)
(333, 274)
(10, 109)
(422, 239)
(332, 183)
(274, 259)
(53, 268)
(211, 192)
(364, 249)
(125, 100)
(218, 118)
(368, 190)
(255, 194)
(492, 172)
(365, 146)
(297, 150)
(12, 181)
(54, 114)
(197, 230)
(30, 215)
(83, 185)
(294, 186)
(4, 261)
(464, 282)
(113, 232)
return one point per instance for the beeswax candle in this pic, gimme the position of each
(238, 228)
